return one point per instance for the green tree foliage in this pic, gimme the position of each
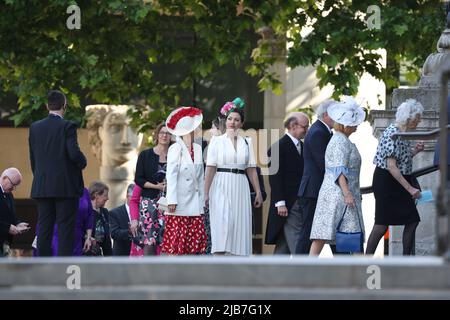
(343, 47)
(113, 58)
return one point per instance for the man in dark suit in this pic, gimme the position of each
(286, 169)
(119, 221)
(56, 161)
(316, 142)
(9, 225)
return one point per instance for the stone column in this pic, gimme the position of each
(274, 105)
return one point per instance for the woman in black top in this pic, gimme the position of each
(101, 235)
(150, 177)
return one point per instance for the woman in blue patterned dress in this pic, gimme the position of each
(339, 192)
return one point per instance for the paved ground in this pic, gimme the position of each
(225, 278)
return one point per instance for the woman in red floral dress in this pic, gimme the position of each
(185, 229)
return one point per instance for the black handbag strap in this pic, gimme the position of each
(342, 219)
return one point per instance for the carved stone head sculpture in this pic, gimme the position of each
(115, 144)
(111, 137)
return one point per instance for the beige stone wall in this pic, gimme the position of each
(14, 153)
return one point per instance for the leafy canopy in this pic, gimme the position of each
(123, 47)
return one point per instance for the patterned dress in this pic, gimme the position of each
(341, 157)
(393, 203)
(152, 220)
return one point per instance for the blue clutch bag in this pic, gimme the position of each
(349, 242)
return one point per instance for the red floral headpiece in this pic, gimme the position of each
(184, 112)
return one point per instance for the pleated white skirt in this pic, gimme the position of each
(230, 214)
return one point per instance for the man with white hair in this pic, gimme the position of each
(316, 142)
(9, 225)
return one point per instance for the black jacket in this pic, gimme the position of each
(56, 159)
(146, 167)
(7, 216)
(119, 223)
(284, 182)
(102, 218)
(316, 142)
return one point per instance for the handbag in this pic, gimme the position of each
(162, 203)
(349, 242)
(94, 250)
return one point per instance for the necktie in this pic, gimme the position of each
(299, 148)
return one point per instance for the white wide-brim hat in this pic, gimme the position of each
(347, 112)
(184, 120)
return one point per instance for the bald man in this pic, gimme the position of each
(286, 170)
(9, 225)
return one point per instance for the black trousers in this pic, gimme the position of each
(308, 206)
(63, 211)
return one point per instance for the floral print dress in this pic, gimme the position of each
(152, 219)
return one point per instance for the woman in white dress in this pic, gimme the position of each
(227, 192)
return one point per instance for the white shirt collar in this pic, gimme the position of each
(329, 129)
(1, 187)
(128, 210)
(56, 114)
(294, 140)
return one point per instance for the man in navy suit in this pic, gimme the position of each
(286, 166)
(56, 161)
(316, 142)
(9, 225)
(119, 221)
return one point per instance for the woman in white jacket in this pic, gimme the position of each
(185, 230)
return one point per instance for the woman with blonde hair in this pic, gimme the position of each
(150, 185)
(339, 196)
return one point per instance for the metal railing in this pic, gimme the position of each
(418, 173)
